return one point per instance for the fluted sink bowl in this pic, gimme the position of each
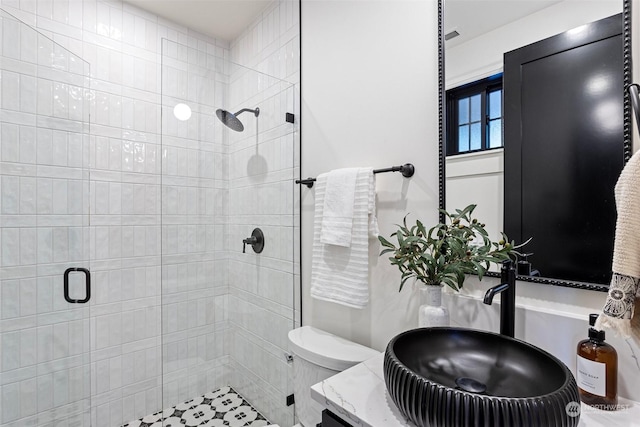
(445, 377)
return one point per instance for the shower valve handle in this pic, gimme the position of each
(249, 241)
(256, 241)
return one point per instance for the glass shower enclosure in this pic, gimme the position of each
(45, 338)
(129, 286)
(227, 169)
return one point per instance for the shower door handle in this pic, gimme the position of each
(87, 285)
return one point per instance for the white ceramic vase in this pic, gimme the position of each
(431, 312)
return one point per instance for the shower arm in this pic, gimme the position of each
(256, 111)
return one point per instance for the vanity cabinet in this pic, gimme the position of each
(329, 419)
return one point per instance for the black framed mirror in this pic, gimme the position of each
(452, 168)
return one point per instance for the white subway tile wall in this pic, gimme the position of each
(194, 225)
(262, 194)
(156, 208)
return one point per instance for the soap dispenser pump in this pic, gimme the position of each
(597, 370)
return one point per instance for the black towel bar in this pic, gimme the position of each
(407, 170)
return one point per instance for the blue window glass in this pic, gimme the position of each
(495, 133)
(475, 138)
(463, 138)
(495, 104)
(463, 110)
(476, 102)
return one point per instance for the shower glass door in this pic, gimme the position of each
(45, 372)
(226, 310)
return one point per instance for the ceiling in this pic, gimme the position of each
(227, 19)
(472, 18)
(223, 19)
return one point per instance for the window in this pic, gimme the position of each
(474, 116)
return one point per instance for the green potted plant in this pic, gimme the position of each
(444, 255)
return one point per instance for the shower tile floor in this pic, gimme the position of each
(223, 407)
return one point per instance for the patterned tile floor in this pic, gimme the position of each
(220, 408)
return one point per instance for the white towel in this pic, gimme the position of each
(619, 306)
(337, 213)
(341, 274)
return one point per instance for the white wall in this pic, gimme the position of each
(369, 98)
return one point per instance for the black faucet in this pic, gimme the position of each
(507, 289)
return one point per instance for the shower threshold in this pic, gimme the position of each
(221, 408)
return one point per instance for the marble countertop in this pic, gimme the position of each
(359, 396)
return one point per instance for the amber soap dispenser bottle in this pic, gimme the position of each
(597, 370)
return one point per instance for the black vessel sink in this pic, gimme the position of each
(444, 377)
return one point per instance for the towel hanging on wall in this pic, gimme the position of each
(340, 274)
(337, 210)
(619, 307)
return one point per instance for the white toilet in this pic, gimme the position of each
(318, 355)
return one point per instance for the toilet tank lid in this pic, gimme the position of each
(327, 350)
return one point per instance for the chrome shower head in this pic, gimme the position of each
(231, 120)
